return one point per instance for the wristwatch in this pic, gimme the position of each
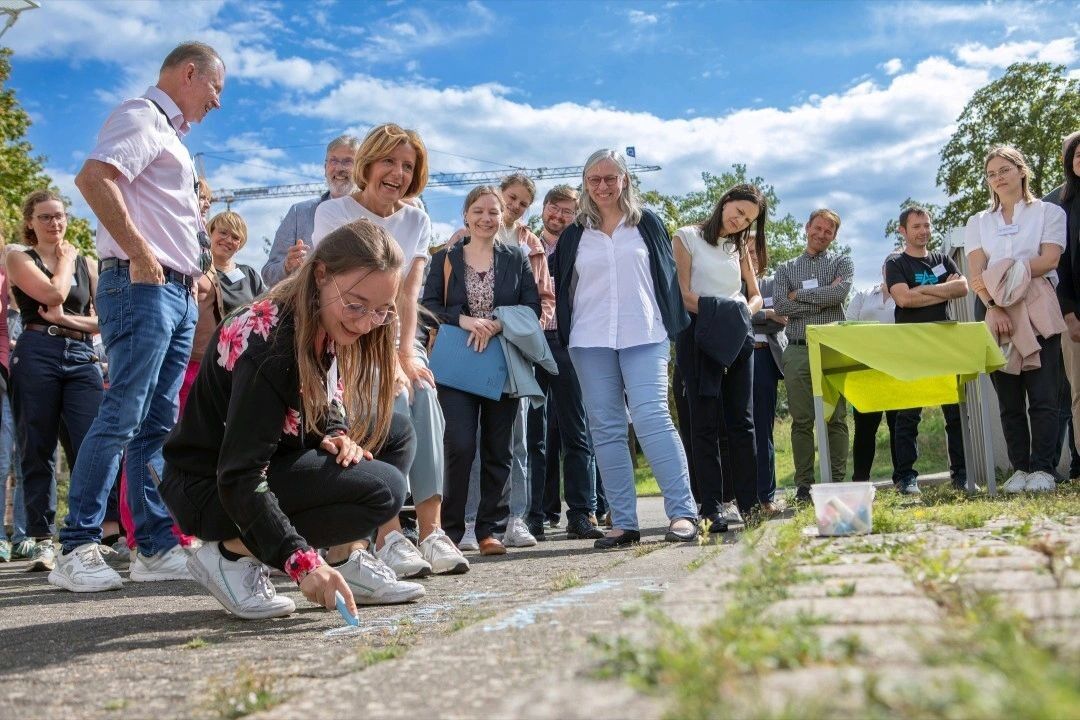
(990, 303)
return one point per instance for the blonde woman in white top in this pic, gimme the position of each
(712, 262)
(1021, 227)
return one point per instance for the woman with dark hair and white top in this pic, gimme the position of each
(1021, 228)
(618, 305)
(713, 264)
(390, 170)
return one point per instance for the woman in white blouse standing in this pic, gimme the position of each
(1020, 227)
(390, 168)
(617, 306)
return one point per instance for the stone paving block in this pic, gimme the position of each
(887, 644)
(864, 586)
(1009, 581)
(1037, 605)
(1020, 561)
(858, 610)
(861, 570)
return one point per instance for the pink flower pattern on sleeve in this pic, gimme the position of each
(260, 318)
(292, 423)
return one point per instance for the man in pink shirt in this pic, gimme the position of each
(141, 183)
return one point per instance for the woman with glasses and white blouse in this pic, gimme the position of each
(1021, 228)
(618, 306)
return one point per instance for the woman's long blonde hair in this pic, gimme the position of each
(366, 368)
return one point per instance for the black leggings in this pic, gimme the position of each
(327, 504)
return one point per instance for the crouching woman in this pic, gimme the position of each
(264, 466)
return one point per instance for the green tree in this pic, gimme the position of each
(937, 234)
(1031, 107)
(785, 234)
(21, 172)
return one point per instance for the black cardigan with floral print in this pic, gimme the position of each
(244, 408)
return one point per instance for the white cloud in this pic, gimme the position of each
(414, 30)
(640, 17)
(1061, 51)
(931, 14)
(893, 66)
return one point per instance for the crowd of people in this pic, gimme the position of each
(239, 422)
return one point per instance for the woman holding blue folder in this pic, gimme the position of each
(483, 274)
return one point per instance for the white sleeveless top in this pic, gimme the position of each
(714, 271)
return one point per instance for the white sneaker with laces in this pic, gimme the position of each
(517, 534)
(374, 583)
(43, 556)
(1017, 483)
(468, 540)
(442, 555)
(1040, 481)
(242, 586)
(402, 557)
(84, 570)
(729, 511)
(168, 565)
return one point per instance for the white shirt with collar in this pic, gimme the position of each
(157, 179)
(1033, 224)
(614, 299)
(872, 306)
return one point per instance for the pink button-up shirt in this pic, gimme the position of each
(158, 179)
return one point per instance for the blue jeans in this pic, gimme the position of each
(517, 486)
(428, 466)
(9, 462)
(766, 378)
(148, 331)
(639, 374)
(54, 380)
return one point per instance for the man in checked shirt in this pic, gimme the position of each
(811, 290)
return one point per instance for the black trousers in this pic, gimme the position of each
(722, 477)
(682, 407)
(906, 444)
(327, 504)
(552, 496)
(463, 412)
(1031, 447)
(1066, 437)
(864, 446)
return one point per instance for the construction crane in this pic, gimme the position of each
(232, 195)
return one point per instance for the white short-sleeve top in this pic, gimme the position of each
(409, 226)
(1033, 224)
(714, 270)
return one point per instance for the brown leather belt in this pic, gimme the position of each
(170, 275)
(58, 331)
(759, 346)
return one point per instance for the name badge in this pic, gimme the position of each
(1008, 229)
(234, 275)
(809, 284)
(939, 269)
(759, 338)
(768, 302)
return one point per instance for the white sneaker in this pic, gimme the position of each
(374, 583)
(442, 555)
(43, 556)
(242, 586)
(168, 565)
(1040, 481)
(1017, 483)
(84, 570)
(403, 557)
(729, 511)
(468, 540)
(517, 534)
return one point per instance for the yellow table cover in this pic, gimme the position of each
(895, 367)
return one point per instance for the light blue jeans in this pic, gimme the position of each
(519, 471)
(9, 462)
(148, 331)
(428, 466)
(638, 375)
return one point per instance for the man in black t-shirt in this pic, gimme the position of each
(922, 282)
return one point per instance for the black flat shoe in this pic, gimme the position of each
(579, 528)
(628, 537)
(717, 524)
(690, 536)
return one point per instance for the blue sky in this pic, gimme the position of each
(842, 104)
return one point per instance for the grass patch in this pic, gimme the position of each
(248, 692)
(386, 645)
(644, 548)
(196, 643)
(115, 704)
(565, 581)
(466, 616)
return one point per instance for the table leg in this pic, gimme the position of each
(822, 433)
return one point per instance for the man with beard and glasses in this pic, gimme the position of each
(293, 238)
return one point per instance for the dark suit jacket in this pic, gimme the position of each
(514, 283)
(1068, 288)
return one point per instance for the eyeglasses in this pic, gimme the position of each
(343, 162)
(595, 180)
(991, 176)
(356, 311)
(46, 219)
(561, 211)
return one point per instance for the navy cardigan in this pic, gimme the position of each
(514, 283)
(661, 264)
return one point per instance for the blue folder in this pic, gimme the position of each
(459, 366)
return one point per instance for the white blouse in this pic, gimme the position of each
(1033, 224)
(409, 226)
(614, 300)
(714, 270)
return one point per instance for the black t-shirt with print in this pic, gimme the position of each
(916, 271)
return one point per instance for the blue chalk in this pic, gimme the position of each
(344, 610)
